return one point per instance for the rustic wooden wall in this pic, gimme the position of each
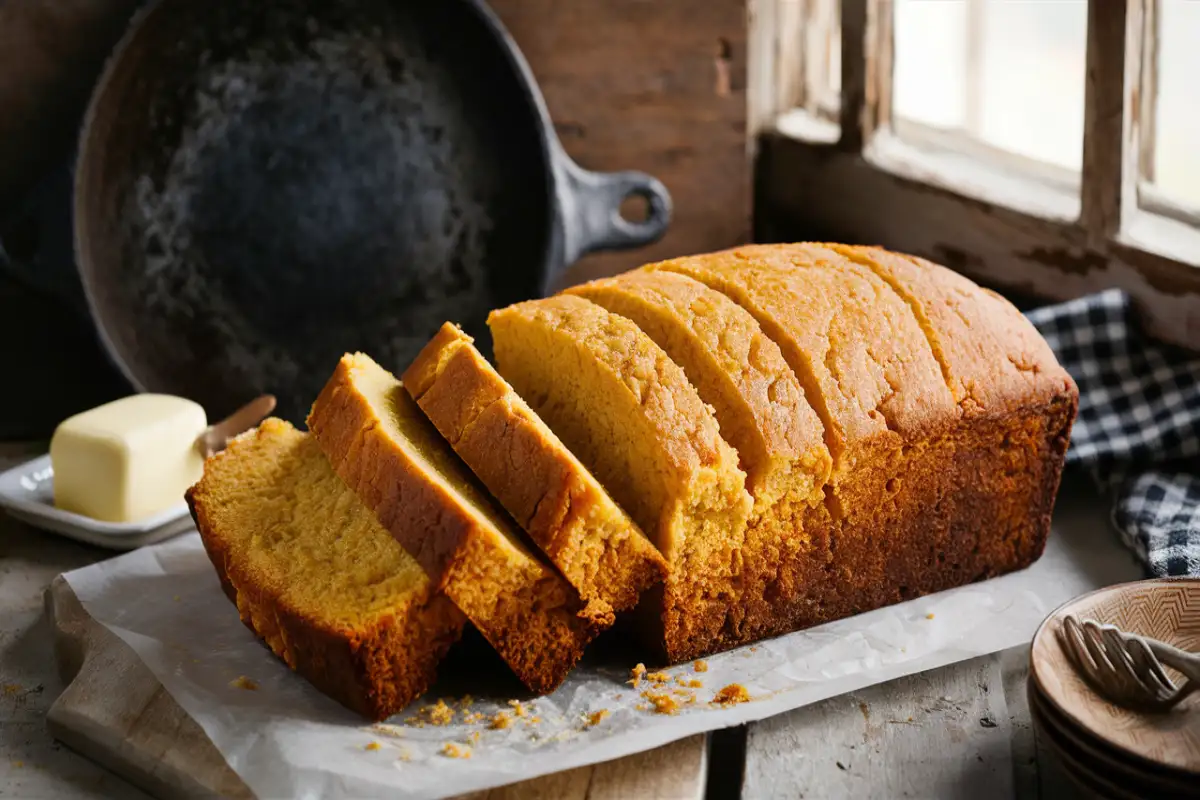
(656, 86)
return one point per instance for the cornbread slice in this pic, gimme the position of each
(922, 495)
(380, 443)
(315, 576)
(736, 369)
(630, 415)
(596, 546)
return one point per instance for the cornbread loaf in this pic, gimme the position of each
(946, 416)
(315, 576)
(380, 443)
(596, 546)
(631, 416)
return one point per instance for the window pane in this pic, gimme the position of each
(1005, 72)
(929, 75)
(1177, 118)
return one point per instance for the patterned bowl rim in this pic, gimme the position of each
(1043, 630)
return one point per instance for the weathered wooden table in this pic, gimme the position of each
(962, 730)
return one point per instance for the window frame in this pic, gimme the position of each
(973, 208)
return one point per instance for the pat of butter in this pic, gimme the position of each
(128, 459)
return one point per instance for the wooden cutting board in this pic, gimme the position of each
(115, 712)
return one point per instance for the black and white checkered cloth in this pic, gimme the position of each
(1138, 430)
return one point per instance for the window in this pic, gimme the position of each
(1049, 146)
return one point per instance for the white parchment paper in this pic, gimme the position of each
(285, 739)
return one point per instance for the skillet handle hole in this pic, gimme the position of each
(635, 207)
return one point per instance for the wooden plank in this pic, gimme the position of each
(637, 85)
(945, 733)
(1109, 178)
(115, 712)
(855, 76)
(32, 763)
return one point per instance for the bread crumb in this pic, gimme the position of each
(242, 682)
(596, 717)
(501, 721)
(518, 709)
(663, 703)
(473, 717)
(700, 665)
(636, 674)
(404, 755)
(658, 677)
(438, 714)
(466, 702)
(388, 730)
(372, 746)
(732, 694)
(695, 684)
(929, 615)
(533, 720)
(618, 695)
(474, 737)
(452, 750)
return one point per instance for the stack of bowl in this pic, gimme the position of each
(1110, 751)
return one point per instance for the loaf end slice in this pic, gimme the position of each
(316, 577)
(382, 445)
(580, 528)
(631, 416)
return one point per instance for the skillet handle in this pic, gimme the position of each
(592, 211)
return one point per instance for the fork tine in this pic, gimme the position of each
(1075, 646)
(1142, 654)
(1093, 640)
(1115, 648)
(1094, 670)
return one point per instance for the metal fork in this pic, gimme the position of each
(1125, 667)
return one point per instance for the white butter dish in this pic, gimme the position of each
(27, 494)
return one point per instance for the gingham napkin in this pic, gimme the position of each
(1138, 430)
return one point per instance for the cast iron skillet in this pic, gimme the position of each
(263, 186)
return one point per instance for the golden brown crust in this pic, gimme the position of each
(375, 670)
(737, 370)
(863, 360)
(994, 359)
(595, 545)
(527, 612)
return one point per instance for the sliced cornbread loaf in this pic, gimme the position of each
(921, 495)
(630, 415)
(314, 574)
(380, 443)
(596, 546)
